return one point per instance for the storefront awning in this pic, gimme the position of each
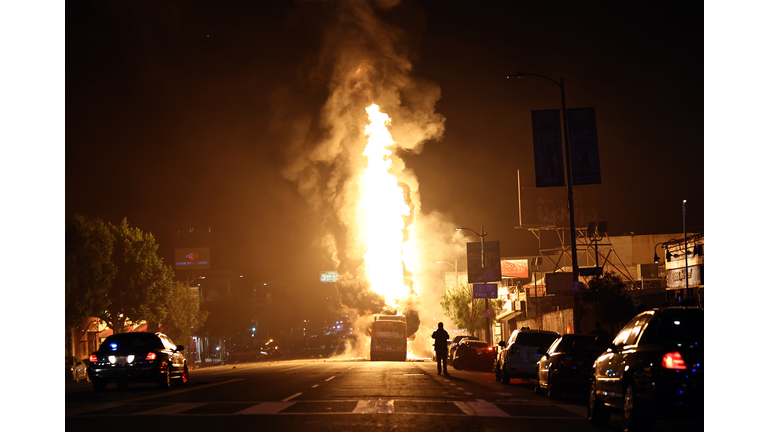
(508, 315)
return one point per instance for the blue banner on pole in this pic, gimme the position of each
(547, 148)
(585, 158)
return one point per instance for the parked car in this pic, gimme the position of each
(474, 354)
(137, 357)
(455, 346)
(521, 352)
(653, 369)
(567, 365)
(76, 369)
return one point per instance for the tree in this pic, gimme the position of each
(182, 313)
(607, 294)
(89, 270)
(142, 283)
(465, 311)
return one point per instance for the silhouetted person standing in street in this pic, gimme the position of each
(599, 330)
(441, 348)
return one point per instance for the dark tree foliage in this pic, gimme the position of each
(89, 269)
(142, 284)
(607, 293)
(183, 314)
(466, 312)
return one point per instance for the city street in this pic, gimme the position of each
(328, 395)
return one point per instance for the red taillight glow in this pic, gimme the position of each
(93, 359)
(673, 360)
(152, 356)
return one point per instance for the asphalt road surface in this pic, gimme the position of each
(328, 395)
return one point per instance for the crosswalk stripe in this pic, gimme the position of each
(374, 407)
(266, 408)
(486, 409)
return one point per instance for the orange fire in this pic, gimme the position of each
(383, 210)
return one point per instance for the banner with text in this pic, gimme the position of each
(547, 148)
(585, 158)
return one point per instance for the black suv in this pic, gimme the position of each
(137, 357)
(653, 369)
(522, 352)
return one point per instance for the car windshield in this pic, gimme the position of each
(587, 343)
(541, 340)
(681, 326)
(477, 344)
(131, 342)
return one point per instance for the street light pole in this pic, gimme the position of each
(569, 183)
(487, 313)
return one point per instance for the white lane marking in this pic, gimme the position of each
(290, 397)
(172, 408)
(266, 408)
(464, 407)
(374, 407)
(468, 393)
(330, 378)
(459, 388)
(486, 409)
(315, 385)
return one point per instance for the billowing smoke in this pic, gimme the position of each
(362, 60)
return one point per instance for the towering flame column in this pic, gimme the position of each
(383, 210)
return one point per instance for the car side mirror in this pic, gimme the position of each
(502, 344)
(179, 347)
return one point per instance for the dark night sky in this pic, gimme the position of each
(168, 110)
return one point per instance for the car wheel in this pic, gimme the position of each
(597, 412)
(498, 372)
(537, 388)
(99, 385)
(633, 418)
(459, 363)
(504, 375)
(165, 378)
(184, 378)
(553, 390)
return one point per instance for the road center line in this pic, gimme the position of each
(330, 378)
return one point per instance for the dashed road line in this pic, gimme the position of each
(290, 397)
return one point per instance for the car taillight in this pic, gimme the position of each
(571, 363)
(93, 359)
(152, 356)
(673, 360)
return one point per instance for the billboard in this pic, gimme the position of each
(560, 283)
(514, 268)
(329, 276)
(192, 259)
(452, 277)
(548, 207)
(547, 148)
